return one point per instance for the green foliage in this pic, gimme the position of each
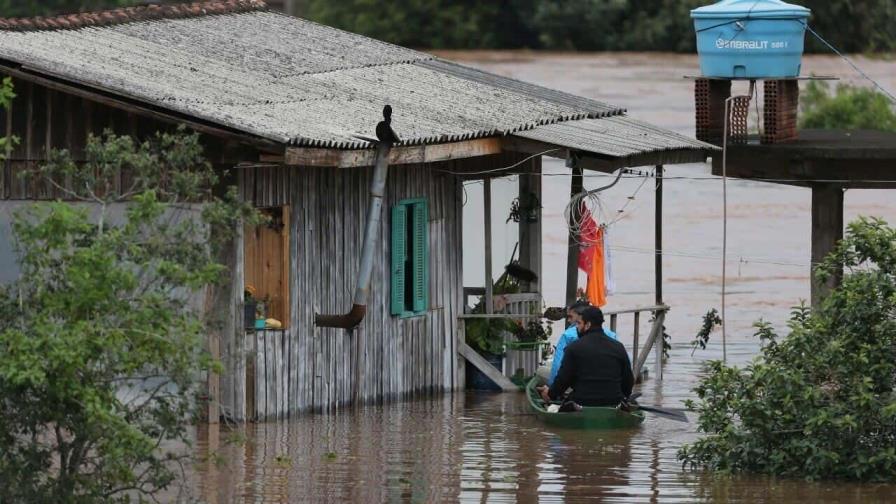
(486, 336)
(710, 321)
(102, 345)
(820, 403)
(652, 25)
(849, 107)
(6, 96)
(432, 23)
(630, 25)
(27, 8)
(616, 25)
(852, 26)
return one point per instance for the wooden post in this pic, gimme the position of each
(530, 232)
(658, 346)
(460, 377)
(658, 269)
(572, 253)
(658, 237)
(212, 411)
(489, 281)
(635, 343)
(827, 230)
(655, 334)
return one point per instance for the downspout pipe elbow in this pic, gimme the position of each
(356, 315)
(348, 320)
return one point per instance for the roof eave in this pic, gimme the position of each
(130, 104)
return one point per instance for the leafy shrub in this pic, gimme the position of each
(101, 344)
(849, 107)
(820, 403)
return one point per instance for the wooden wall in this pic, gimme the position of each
(386, 357)
(43, 119)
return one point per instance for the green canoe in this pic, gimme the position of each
(588, 418)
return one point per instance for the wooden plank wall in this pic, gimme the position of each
(45, 119)
(393, 357)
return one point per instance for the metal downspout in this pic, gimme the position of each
(374, 216)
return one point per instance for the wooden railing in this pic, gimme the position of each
(516, 358)
(654, 341)
(521, 307)
(654, 338)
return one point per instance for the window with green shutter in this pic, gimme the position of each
(410, 258)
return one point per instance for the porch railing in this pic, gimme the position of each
(521, 309)
(654, 337)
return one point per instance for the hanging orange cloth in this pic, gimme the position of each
(591, 257)
(587, 238)
(597, 281)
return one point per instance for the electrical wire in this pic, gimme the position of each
(578, 214)
(708, 256)
(718, 178)
(853, 65)
(621, 211)
(496, 170)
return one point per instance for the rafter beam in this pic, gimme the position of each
(305, 156)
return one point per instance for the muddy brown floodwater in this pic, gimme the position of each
(487, 447)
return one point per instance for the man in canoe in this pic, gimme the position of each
(595, 366)
(573, 315)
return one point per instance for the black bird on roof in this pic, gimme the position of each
(384, 131)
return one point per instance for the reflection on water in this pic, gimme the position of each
(487, 448)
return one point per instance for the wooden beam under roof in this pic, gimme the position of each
(307, 156)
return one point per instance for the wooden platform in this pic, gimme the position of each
(827, 161)
(848, 159)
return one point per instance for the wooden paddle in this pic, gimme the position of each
(676, 415)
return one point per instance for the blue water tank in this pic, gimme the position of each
(750, 39)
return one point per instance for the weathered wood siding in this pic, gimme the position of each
(44, 119)
(392, 357)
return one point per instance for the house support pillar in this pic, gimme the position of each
(827, 231)
(658, 267)
(572, 251)
(530, 222)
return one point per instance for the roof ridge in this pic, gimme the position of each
(131, 14)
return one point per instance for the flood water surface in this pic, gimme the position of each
(485, 447)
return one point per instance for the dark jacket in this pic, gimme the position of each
(598, 370)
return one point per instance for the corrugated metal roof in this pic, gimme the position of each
(292, 81)
(616, 137)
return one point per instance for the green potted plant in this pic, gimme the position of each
(486, 336)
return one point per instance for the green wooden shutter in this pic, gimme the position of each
(421, 257)
(399, 233)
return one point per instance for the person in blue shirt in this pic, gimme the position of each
(573, 315)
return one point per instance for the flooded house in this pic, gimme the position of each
(360, 260)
